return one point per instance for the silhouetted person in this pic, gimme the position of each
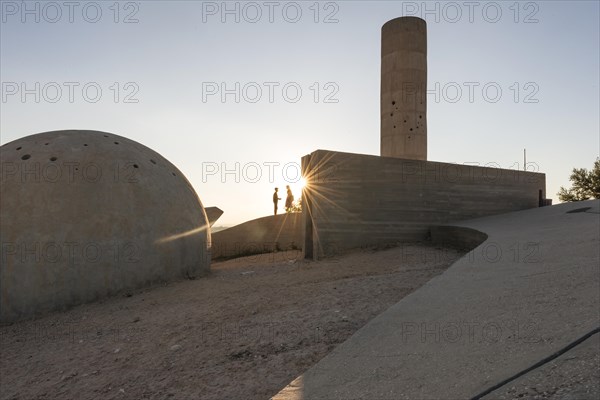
(275, 200)
(289, 200)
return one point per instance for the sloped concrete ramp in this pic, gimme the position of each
(261, 235)
(530, 289)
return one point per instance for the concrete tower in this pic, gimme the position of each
(404, 88)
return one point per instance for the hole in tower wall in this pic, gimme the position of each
(85, 144)
(135, 166)
(393, 103)
(391, 114)
(46, 144)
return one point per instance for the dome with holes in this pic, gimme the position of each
(86, 214)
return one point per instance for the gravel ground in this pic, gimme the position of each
(244, 332)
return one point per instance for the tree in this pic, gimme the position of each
(296, 206)
(585, 184)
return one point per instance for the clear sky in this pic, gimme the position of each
(307, 77)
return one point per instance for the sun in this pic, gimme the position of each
(297, 187)
(302, 183)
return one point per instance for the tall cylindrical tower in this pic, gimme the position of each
(404, 88)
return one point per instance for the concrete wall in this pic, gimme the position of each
(262, 235)
(355, 200)
(457, 236)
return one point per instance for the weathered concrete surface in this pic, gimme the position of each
(529, 290)
(457, 236)
(404, 88)
(86, 214)
(261, 235)
(574, 375)
(357, 200)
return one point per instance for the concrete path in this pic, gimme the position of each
(529, 290)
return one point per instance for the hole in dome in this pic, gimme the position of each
(135, 166)
(394, 126)
(153, 162)
(26, 157)
(391, 114)
(173, 173)
(105, 135)
(53, 158)
(393, 103)
(411, 129)
(19, 148)
(85, 144)
(46, 144)
(116, 142)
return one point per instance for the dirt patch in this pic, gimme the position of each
(244, 332)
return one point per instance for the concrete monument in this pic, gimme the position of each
(86, 214)
(357, 200)
(404, 88)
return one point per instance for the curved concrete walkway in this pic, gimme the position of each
(529, 290)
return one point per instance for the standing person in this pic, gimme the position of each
(289, 200)
(276, 198)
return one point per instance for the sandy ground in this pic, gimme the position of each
(244, 332)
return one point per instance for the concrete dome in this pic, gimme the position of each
(85, 214)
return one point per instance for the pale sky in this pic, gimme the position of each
(169, 62)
